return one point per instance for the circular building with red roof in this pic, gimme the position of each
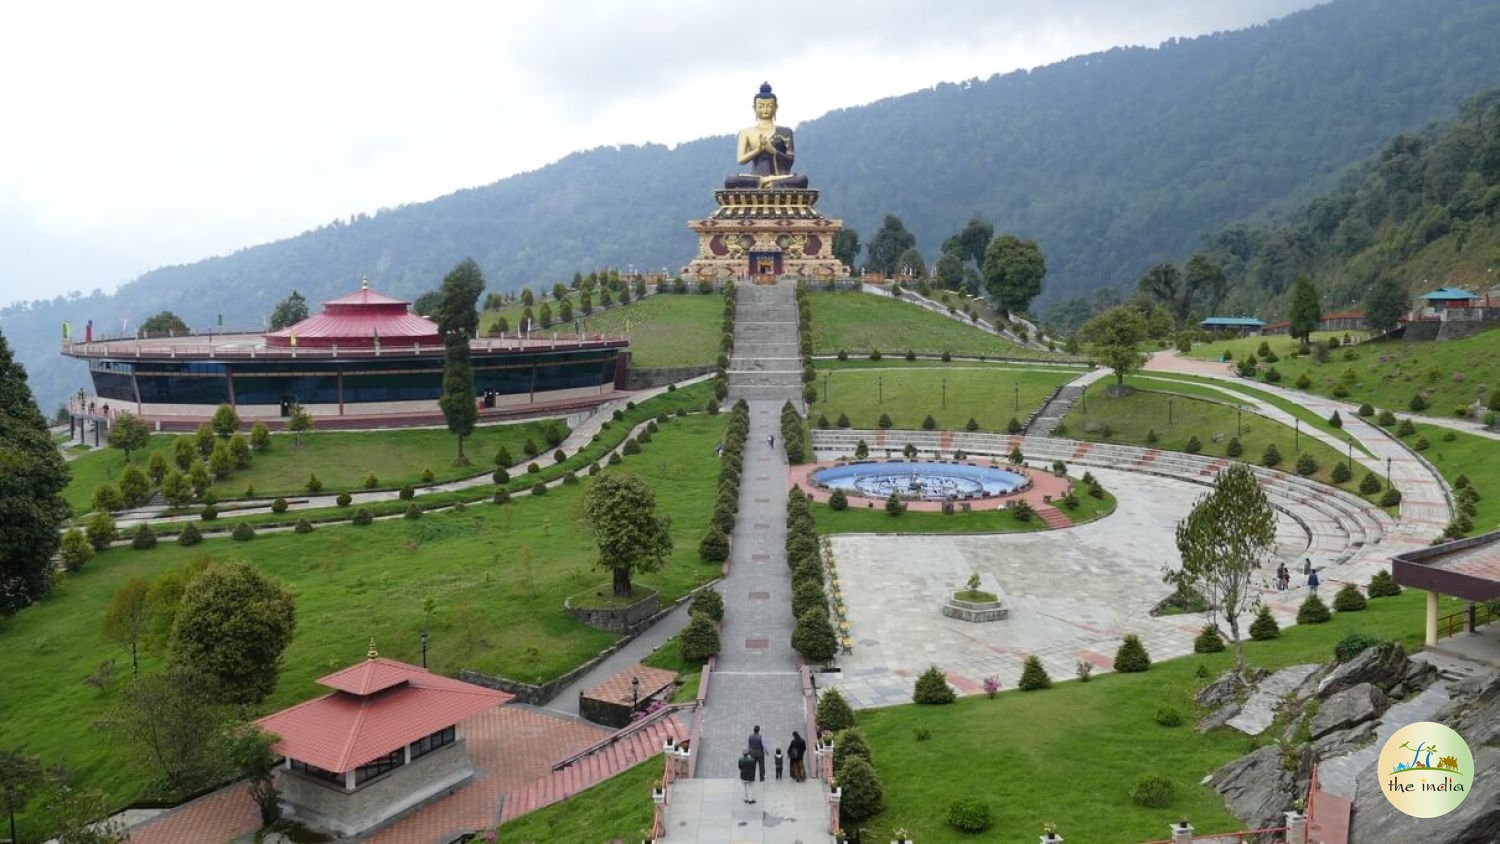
(365, 361)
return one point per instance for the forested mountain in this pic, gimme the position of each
(1422, 213)
(1112, 162)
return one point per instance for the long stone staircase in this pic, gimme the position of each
(766, 364)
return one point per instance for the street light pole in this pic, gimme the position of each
(825, 388)
(635, 693)
(424, 647)
(880, 389)
(945, 392)
(1388, 473)
(1169, 409)
(1237, 409)
(1297, 435)
(1018, 395)
(1351, 455)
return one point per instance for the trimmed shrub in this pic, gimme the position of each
(714, 547)
(76, 549)
(1132, 658)
(278, 505)
(863, 793)
(407, 493)
(1303, 382)
(1013, 426)
(833, 712)
(1335, 420)
(500, 477)
(1313, 611)
(144, 538)
(303, 526)
(813, 637)
(427, 475)
(1406, 428)
(849, 744)
(1166, 716)
(208, 513)
(314, 485)
(929, 423)
(1273, 375)
(807, 595)
(1264, 628)
(1352, 644)
(1385, 419)
(885, 420)
(1152, 791)
(243, 532)
(1341, 473)
(1306, 465)
(1421, 444)
(362, 517)
(708, 602)
(1208, 640)
(412, 512)
(1272, 457)
(969, 814)
(1366, 410)
(893, 505)
(838, 501)
(1417, 403)
(1369, 484)
(1349, 599)
(1391, 498)
(1194, 445)
(100, 530)
(189, 536)
(1234, 449)
(1034, 676)
(699, 640)
(1382, 585)
(932, 687)
(539, 488)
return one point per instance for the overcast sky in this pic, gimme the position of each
(143, 134)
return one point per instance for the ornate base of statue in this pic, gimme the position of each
(766, 224)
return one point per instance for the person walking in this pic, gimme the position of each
(1312, 581)
(758, 752)
(747, 775)
(795, 750)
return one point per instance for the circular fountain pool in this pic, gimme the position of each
(918, 480)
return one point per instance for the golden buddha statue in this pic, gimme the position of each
(768, 149)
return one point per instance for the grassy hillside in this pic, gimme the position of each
(498, 575)
(990, 394)
(859, 323)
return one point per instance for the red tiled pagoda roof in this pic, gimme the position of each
(379, 706)
(357, 320)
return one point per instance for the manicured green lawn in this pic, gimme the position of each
(1466, 454)
(860, 322)
(1069, 755)
(618, 809)
(1132, 417)
(498, 576)
(1209, 388)
(861, 519)
(1388, 373)
(666, 329)
(341, 460)
(952, 394)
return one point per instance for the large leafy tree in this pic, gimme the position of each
(165, 322)
(32, 477)
(1386, 301)
(1013, 270)
(1114, 339)
(128, 433)
(621, 511)
(289, 311)
(950, 271)
(911, 265)
(172, 722)
(1305, 311)
(887, 245)
(970, 243)
(128, 617)
(1206, 281)
(846, 246)
(457, 321)
(1224, 541)
(232, 625)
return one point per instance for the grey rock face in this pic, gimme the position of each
(1256, 788)
(1383, 667)
(1348, 708)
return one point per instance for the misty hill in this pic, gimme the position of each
(1112, 161)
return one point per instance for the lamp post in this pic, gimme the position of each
(945, 392)
(424, 647)
(1351, 455)
(1388, 473)
(1085, 399)
(1169, 409)
(1237, 409)
(1017, 386)
(825, 388)
(1297, 436)
(880, 389)
(635, 693)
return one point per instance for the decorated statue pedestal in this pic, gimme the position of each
(766, 224)
(766, 232)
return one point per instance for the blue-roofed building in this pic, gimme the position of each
(1243, 326)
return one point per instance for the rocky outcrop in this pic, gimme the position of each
(1383, 666)
(1347, 709)
(1259, 787)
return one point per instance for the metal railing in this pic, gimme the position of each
(1467, 620)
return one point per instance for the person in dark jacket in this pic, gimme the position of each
(795, 750)
(758, 752)
(747, 775)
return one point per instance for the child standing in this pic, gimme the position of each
(778, 763)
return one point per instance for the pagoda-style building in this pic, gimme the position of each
(384, 741)
(363, 319)
(766, 224)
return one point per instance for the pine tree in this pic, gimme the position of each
(31, 506)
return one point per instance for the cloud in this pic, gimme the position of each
(154, 133)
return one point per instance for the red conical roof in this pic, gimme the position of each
(360, 319)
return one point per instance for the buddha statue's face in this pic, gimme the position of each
(765, 109)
